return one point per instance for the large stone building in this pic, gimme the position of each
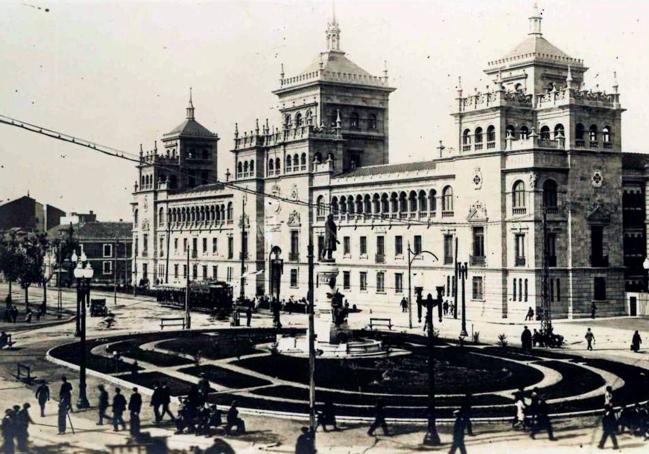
(28, 214)
(538, 156)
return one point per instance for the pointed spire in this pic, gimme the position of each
(236, 130)
(615, 84)
(333, 33)
(459, 86)
(385, 70)
(281, 74)
(338, 120)
(535, 21)
(190, 107)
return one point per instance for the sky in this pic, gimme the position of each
(118, 73)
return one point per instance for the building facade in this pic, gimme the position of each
(29, 215)
(537, 198)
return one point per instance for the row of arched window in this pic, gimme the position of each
(403, 204)
(298, 120)
(519, 196)
(146, 181)
(195, 214)
(245, 169)
(593, 136)
(479, 137)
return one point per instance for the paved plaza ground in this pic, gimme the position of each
(266, 434)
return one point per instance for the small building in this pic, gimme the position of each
(30, 215)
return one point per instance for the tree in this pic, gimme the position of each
(33, 249)
(10, 258)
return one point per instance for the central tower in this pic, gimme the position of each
(335, 92)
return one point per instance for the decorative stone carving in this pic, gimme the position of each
(597, 179)
(532, 180)
(294, 219)
(294, 192)
(477, 212)
(477, 178)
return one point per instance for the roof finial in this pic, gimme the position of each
(615, 85)
(535, 21)
(190, 107)
(385, 70)
(281, 74)
(333, 33)
(459, 86)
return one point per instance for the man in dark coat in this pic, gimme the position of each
(232, 420)
(65, 393)
(43, 395)
(304, 444)
(62, 417)
(134, 408)
(22, 422)
(609, 427)
(102, 405)
(156, 401)
(526, 340)
(165, 400)
(379, 420)
(458, 433)
(542, 421)
(119, 405)
(636, 341)
(8, 432)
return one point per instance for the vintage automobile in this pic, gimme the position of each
(98, 308)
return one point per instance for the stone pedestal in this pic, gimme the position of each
(325, 329)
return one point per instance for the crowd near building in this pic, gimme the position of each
(538, 194)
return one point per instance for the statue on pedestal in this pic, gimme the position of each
(330, 239)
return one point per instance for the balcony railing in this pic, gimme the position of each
(294, 256)
(580, 143)
(478, 146)
(519, 210)
(477, 260)
(607, 145)
(551, 209)
(520, 261)
(466, 147)
(594, 144)
(491, 145)
(379, 258)
(600, 262)
(447, 214)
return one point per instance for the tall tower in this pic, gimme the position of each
(334, 92)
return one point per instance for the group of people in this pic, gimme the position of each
(119, 407)
(532, 414)
(15, 428)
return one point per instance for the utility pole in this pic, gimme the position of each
(115, 271)
(188, 320)
(168, 245)
(546, 320)
(455, 283)
(410, 289)
(311, 328)
(432, 437)
(463, 270)
(59, 296)
(244, 249)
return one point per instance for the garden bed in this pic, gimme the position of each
(131, 349)
(225, 377)
(176, 386)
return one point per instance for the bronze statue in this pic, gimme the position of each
(330, 239)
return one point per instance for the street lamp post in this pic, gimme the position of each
(432, 437)
(83, 276)
(412, 255)
(462, 270)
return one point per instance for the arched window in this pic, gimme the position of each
(367, 204)
(296, 161)
(447, 199)
(478, 135)
(550, 194)
(288, 163)
(371, 122)
(287, 121)
(394, 203)
(412, 202)
(376, 204)
(245, 168)
(354, 122)
(403, 203)
(491, 135)
(309, 117)
(359, 204)
(240, 168)
(135, 215)
(252, 167)
(592, 135)
(334, 206)
(466, 139)
(422, 202)
(161, 216)
(510, 132)
(559, 131)
(545, 133)
(343, 205)
(271, 166)
(579, 135)
(321, 207)
(350, 204)
(303, 161)
(229, 213)
(525, 133)
(432, 201)
(518, 88)
(298, 120)
(518, 196)
(606, 135)
(278, 165)
(218, 213)
(385, 204)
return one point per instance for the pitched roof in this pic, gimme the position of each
(536, 45)
(389, 168)
(190, 127)
(336, 62)
(95, 230)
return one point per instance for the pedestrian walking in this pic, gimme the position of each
(119, 405)
(8, 432)
(636, 341)
(593, 310)
(519, 417)
(526, 340)
(379, 420)
(23, 420)
(542, 421)
(445, 307)
(465, 412)
(304, 444)
(102, 405)
(458, 433)
(327, 416)
(165, 400)
(63, 416)
(608, 396)
(43, 396)
(590, 339)
(65, 393)
(248, 315)
(134, 408)
(156, 401)
(404, 304)
(420, 303)
(609, 427)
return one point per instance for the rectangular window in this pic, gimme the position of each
(162, 247)
(519, 246)
(551, 249)
(230, 247)
(204, 272)
(448, 250)
(229, 274)
(194, 247)
(558, 289)
(145, 245)
(195, 272)
(380, 245)
(599, 290)
(398, 245)
(478, 241)
(380, 282)
(295, 245)
(107, 267)
(526, 290)
(363, 281)
(398, 282)
(478, 289)
(363, 245)
(184, 244)
(293, 277)
(514, 289)
(176, 246)
(320, 245)
(597, 256)
(145, 271)
(551, 289)
(520, 290)
(204, 245)
(108, 250)
(347, 245)
(448, 286)
(417, 245)
(176, 271)
(214, 249)
(215, 272)
(346, 280)
(184, 271)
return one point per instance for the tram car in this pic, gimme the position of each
(214, 297)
